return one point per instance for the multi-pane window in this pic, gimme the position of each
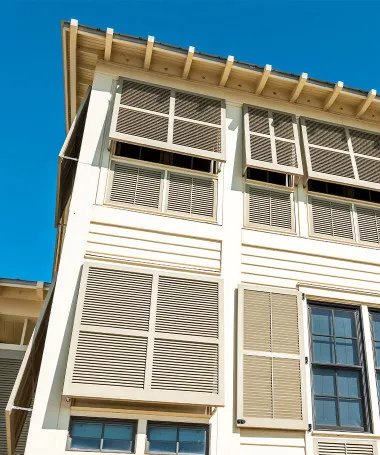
(375, 317)
(337, 368)
(167, 438)
(102, 435)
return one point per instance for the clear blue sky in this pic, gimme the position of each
(328, 40)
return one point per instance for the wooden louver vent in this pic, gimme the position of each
(271, 140)
(147, 331)
(270, 359)
(343, 447)
(169, 119)
(269, 207)
(369, 224)
(343, 155)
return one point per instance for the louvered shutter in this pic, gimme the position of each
(331, 218)
(369, 224)
(271, 367)
(146, 335)
(8, 372)
(271, 140)
(137, 186)
(268, 207)
(169, 119)
(195, 196)
(341, 446)
(339, 154)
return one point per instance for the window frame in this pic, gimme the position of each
(377, 367)
(103, 422)
(361, 367)
(178, 426)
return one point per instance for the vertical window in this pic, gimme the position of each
(102, 435)
(337, 369)
(167, 438)
(375, 317)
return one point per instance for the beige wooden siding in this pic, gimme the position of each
(269, 208)
(344, 447)
(271, 391)
(271, 140)
(8, 373)
(169, 119)
(146, 335)
(127, 244)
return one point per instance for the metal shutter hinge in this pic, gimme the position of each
(306, 360)
(19, 408)
(240, 421)
(303, 296)
(309, 427)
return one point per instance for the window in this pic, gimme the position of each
(275, 178)
(102, 435)
(337, 369)
(375, 317)
(336, 189)
(167, 438)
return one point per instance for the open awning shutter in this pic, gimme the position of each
(271, 363)
(146, 335)
(339, 154)
(271, 140)
(26, 382)
(169, 119)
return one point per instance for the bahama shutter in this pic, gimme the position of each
(341, 446)
(146, 335)
(137, 186)
(195, 196)
(271, 363)
(339, 154)
(271, 140)
(269, 207)
(169, 119)
(368, 224)
(330, 218)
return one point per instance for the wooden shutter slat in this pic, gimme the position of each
(143, 96)
(344, 447)
(332, 163)
(197, 136)
(331, 218)
(197, 108)
(271, 372)
(369, 224)
(142, 124)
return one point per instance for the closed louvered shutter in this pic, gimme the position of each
(369, 224)
(135, 185)
(343, 155)
(192, 195)
(271, 391)
(8, 373)
(169, 119)
(344, 447)
(146, 335)
(269, 207)
(271, 140)
(331, 218)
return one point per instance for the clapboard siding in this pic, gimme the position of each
(143, 246)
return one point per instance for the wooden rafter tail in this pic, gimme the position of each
(226, 71)
(331, 98)
(298, 88)
(365, 104)
(73, 67)
(189, 59)
(264, 79)
(148, 52)
(108, 45)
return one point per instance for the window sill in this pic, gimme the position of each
(343, 434)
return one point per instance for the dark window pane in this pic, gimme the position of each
(350, 413)
(86, 430)
(324, 381)
(377, 353)
(335, 189)
(375, 196)
(277, 178)
(326, 412)
(346, 351)
(182, 160)
(376, 326)
(192, 435)
(192, 447)
(163, 433)
(200, 164)
(85, 443)
(378, 382)
(114, 444)
(151, 155)
(318, 186)
(322, 321)
(348, 384)
(117, 431)
(257, 174)
(323, 349)
(344, 324)
(162, 447)
(128, 150)
(361, 194)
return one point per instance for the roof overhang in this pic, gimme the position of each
(84, 47)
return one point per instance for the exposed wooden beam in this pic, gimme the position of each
(24, 327)
(108, 47)
(189, 59)
(298, 88)
(148, 52)
(366, 103)
(330, 99)
(73, 68)
(226, 71)
(264, 79)
(40, 290)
